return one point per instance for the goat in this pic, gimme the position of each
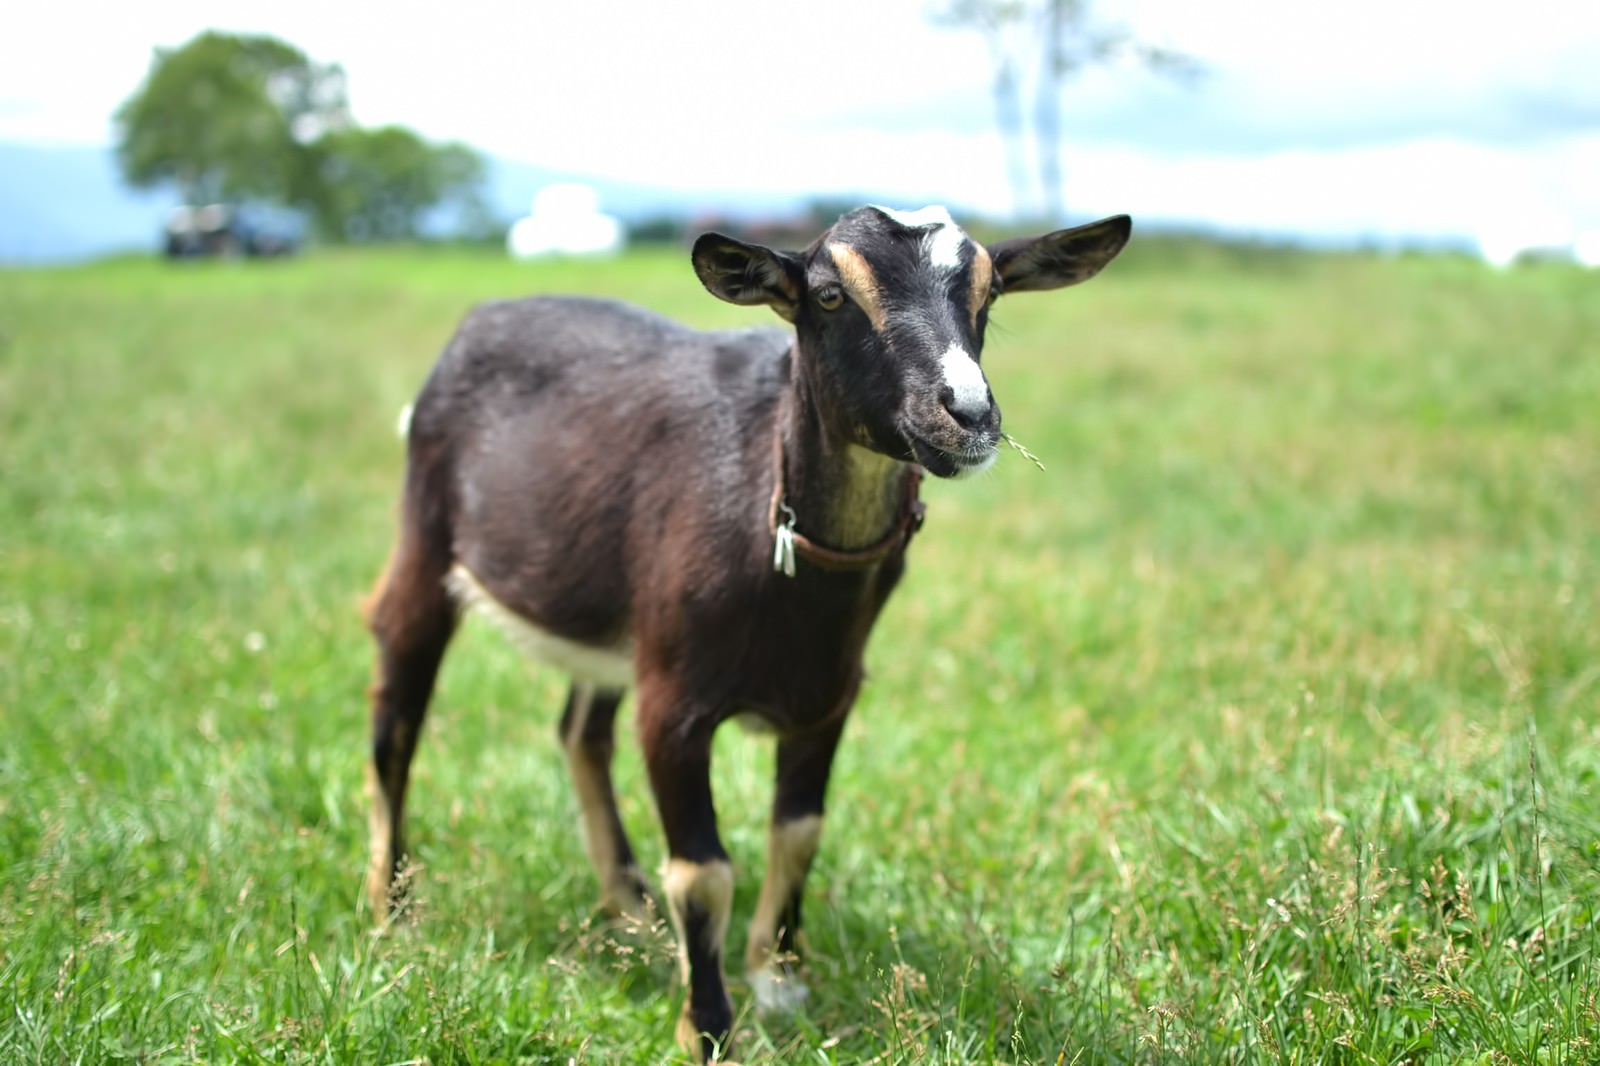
(714, 518)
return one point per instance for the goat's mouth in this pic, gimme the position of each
(952, 462)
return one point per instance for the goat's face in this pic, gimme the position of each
(890, 308)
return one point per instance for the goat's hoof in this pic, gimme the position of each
(707, 1037)
(628, 910)
(378, 905)
(777, 990)
(630, 899)
(385, 899)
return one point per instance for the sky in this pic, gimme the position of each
(1367, 118)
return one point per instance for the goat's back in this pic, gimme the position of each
(572, 441)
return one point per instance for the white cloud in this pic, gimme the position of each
(1383, 115)
(1432, 188)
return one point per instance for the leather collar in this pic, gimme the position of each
(912, 510)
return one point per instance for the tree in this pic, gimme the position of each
(228, 117)
(1001, 24)
(1073, 38)
(376, 184)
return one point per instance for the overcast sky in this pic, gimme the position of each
(1417, 117)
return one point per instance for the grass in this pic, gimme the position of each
(1259, 728)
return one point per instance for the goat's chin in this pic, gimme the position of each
(973, 469)
(952, 465)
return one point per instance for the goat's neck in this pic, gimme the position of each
(843, 495)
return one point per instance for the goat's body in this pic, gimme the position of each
(557, 431)
(608, 485)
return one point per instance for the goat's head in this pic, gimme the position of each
(890, 308)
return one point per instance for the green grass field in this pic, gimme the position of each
(1261, 727)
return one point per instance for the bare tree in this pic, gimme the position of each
(1072, 38)
(1003, 25)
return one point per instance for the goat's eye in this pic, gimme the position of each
(830, 297)
(994, 294)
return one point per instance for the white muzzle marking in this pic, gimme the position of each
(968, 386)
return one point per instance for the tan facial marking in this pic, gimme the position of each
(859, 282)
(982, 278)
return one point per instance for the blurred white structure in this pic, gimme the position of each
(1503, 239)
(1586, 248)
(565, 220)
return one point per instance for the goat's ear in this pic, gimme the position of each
(1062, 258)
(749, 274)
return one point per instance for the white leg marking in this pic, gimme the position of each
(709, 888)
(380, 867)
(790, 848)
(707, 885)
(777, 991)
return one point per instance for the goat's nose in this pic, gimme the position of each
(966, 392)
(968, 412)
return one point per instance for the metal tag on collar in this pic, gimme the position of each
(783, 542)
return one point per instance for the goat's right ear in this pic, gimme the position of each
(749, 274)
(1062, 258)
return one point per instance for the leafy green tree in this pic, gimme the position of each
(227, 117)
(377, 184)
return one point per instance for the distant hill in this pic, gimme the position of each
(64, 203)
(60, 204)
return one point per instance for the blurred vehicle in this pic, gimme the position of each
(223, 230)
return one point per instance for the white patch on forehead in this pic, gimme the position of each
(944, 242)
(932, 215)
(944, 246)
(967, 384)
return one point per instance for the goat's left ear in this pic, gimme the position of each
(749, 274)
(1062, 258)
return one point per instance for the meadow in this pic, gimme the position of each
(1259, 727)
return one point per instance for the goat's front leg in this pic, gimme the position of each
(804, 762)
(698, 884)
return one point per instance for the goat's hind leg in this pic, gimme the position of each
(412, 618)
(588, 741)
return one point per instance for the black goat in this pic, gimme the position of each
(713, 518)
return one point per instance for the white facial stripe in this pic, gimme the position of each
(944, 246)
(944, 242)
(965, 379)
